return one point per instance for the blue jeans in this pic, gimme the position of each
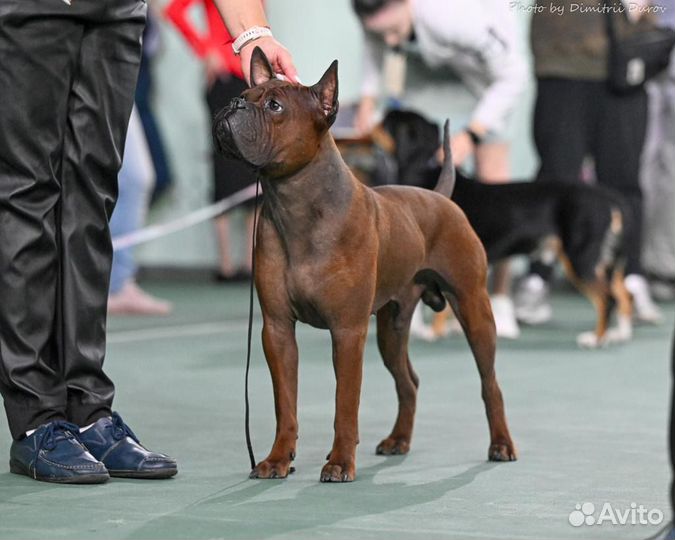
(136, 180)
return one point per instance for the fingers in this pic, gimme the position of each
(284, 65)
(278, 56)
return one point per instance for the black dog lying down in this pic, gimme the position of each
(584, 225)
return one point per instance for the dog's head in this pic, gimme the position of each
(277, 126)
(413, 143)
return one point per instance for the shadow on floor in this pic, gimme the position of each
(236, 515)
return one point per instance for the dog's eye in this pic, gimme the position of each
(274, 105)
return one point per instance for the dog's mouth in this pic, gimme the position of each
(222, 136)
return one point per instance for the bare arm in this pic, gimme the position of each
(240, 15)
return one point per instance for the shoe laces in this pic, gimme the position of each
(121, 430)
(55, 431)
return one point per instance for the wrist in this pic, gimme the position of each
(249, 36)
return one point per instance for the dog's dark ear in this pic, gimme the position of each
(261, 70)
(326, 90)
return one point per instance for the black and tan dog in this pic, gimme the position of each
(584, 225)
(331, 252)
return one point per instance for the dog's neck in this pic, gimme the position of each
(307, 205)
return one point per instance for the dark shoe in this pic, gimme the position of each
(239, 276)
(53, 453)
(113, 442)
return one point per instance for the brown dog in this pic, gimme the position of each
(331, 252)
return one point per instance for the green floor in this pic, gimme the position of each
(590, 426)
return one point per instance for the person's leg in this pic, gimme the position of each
(98, 115)
(618, 147)
(39, 47)
(658, 171)
(493, 167)
(229, 176)
(563, 115)
(218, 97)
(136, 180)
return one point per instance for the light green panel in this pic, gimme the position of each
(316, 33)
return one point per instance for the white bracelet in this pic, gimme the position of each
(253, 33)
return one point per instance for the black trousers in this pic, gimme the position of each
(67, 79)
(573, 119)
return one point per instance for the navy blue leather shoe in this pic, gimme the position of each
(53, 453)
(112, 441)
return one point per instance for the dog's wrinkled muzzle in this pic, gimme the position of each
(222, 132)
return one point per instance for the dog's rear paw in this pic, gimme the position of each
(393, 447)
(272, 470)
(502, 452)
(335, 472)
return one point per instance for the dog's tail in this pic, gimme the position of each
(446, 181)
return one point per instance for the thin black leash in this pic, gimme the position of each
(249, 445)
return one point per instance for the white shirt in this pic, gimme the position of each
(478, 40)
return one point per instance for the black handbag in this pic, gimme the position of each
(638, 56)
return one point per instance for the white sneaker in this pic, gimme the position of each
(418, 328)
(532, 305)
(505, 317)
(644, 307)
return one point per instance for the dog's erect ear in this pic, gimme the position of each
(326, 90)
(261, 70)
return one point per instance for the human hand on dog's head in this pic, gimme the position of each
(276, 126)
(279, 57)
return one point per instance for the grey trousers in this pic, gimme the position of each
(657, 179)
(67, 80)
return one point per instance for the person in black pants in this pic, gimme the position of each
(67, 82)
(577, 115)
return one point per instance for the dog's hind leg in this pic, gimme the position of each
(624, 328)
(472, 307)
(598, 293)
(597, 290)
(393, 327)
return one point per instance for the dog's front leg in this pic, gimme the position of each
(348, 347)
(281, 352)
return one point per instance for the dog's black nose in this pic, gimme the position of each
(238, 103)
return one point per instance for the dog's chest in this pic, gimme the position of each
(316, 292)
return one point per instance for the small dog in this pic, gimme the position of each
(331, 252)
(584, 225)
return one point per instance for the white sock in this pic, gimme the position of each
(30, 432)
(85, 428)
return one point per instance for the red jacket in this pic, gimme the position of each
(217, 39)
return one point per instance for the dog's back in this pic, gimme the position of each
(517, 217)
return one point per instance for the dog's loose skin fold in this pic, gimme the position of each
(331, 252)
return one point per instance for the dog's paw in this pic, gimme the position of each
(338, 472)
(502, 452)
(590, 340)
(272, 470)
(393, 446)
